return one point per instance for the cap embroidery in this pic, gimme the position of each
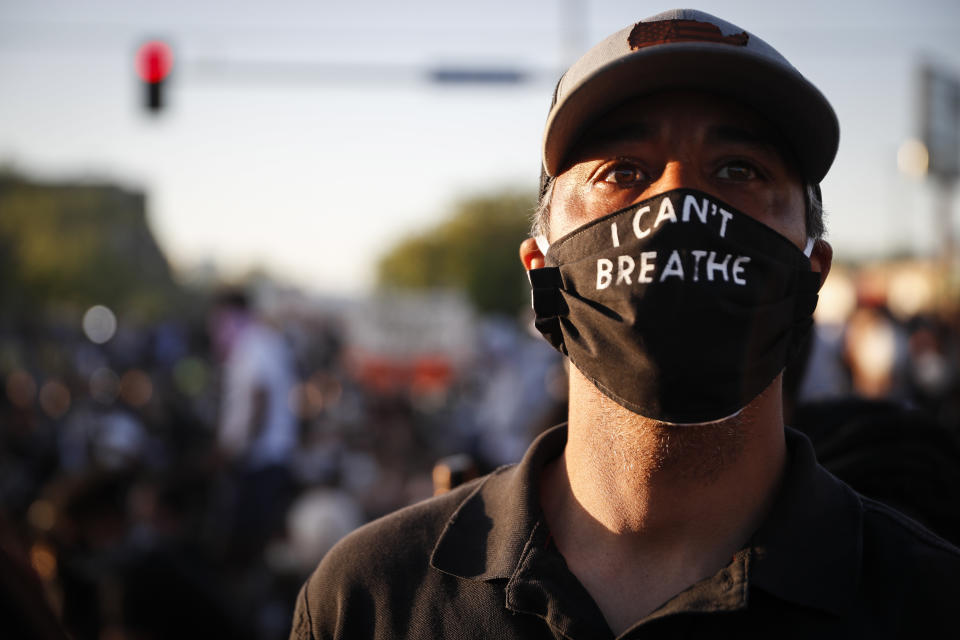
(648, 34)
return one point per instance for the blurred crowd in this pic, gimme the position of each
(887, 332)
(878, 388)
(182, 478)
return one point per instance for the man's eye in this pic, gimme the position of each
(738, 172)
(623, 174)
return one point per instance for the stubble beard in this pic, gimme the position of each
(630, 445)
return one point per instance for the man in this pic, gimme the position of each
(677, 263)
(257, 429)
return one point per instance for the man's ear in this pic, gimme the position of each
(821, 258)
(530, 255)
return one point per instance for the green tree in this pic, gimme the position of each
(78, 245)
(473, 250)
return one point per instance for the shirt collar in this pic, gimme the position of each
(485, 538)
(807, 551)
(809, 548)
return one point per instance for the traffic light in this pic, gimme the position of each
(154, 62)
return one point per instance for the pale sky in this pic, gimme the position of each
(314, 178)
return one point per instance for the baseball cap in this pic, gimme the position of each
(689, 49)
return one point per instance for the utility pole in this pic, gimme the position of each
(573, 28)
(940, 131)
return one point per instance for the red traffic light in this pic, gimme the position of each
(154, 61)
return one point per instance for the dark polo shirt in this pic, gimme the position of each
(479, 563)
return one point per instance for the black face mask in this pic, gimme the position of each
(679, 308)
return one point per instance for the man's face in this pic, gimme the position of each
(679, 140)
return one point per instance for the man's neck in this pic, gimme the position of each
(641, 510)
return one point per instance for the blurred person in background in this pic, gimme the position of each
(875, 350)
(932, 371)
(257, 431)
(677, 264)
(25, 609)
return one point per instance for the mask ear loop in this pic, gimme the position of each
(807, 251)
(544, 246)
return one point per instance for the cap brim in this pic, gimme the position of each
(783, 96)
